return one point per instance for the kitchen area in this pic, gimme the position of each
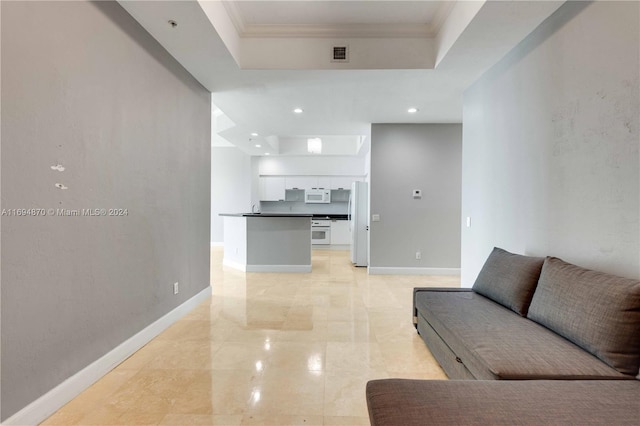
(292, 215)
(325, 198)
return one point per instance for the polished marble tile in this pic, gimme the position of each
(73, 412)
(296, 331)
(189, 355)
(242, 355)
(354, 357)
(298, 355)
(282, 420)
(344, 392)
(288, 392)
(269, 349)
(346, 421)
(411, 356)
(144, 355)
(187, 330)
(143, 399)
(350, 331)
(201, 419)
(232, 390)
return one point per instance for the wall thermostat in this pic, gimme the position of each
(417, 193)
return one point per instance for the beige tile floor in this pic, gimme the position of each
(273, 349)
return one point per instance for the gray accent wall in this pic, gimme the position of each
(278, 241)
(551, 141)
(231, 181)
(405, 157)
(84, 87)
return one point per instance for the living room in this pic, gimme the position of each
(550, 166)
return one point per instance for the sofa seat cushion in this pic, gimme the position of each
(509, 279)
(496, 343)
(405, 402)
(597, 311)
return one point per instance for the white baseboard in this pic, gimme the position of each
(266, 268)
(233, 264)
(383, 270)
(53, 400)
(331, 247)
(279, 268)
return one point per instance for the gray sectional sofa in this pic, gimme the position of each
(566, 338)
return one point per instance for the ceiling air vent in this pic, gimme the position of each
(340, 54)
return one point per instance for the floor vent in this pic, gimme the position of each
(340, 54)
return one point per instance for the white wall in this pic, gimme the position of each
(86, 87)
(310, 165)
(231, 186)
(550, 158)
(405, 157)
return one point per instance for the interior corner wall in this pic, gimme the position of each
(86, 89)
(551, 141)
(231, 186)
(405, 157)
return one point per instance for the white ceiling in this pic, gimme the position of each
(336, 12)
(330, 18)
(262, 59)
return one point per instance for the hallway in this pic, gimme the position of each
(269, 349)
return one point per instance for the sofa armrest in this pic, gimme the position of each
(406, 402)
(419, 289)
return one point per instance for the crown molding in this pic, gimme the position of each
(245, 30)
(441, 16)
(338, 31)
(235, 16)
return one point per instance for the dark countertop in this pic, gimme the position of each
(330, 216)
(267, 214)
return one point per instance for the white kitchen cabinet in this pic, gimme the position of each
(342, 182)
(340, 233)
(323, 182)
(307, 182)
(272, 188)
(301, 182)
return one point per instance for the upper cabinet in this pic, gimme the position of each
(272, 188)
(308, 182)
(301, 182)
(324, 182)
(342, 182)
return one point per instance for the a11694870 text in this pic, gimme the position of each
(60, 212)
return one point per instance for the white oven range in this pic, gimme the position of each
(320, 232)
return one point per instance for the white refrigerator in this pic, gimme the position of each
(359, 222)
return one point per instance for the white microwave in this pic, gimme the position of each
(317, 195)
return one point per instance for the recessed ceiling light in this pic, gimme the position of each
(412, 110)
(298, 110)
(258, 146)
(254, 134)
(266, 153)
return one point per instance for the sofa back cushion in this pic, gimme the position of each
(598, 312)
(509, 279)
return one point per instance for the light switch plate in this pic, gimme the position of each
(375, 218)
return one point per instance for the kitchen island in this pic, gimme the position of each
(267, 242)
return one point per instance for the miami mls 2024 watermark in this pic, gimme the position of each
(59, 212)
